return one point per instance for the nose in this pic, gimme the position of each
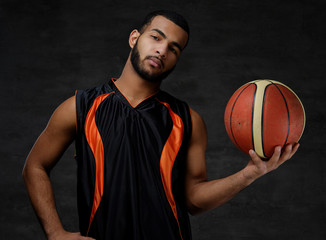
(162, 51)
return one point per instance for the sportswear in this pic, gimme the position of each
(131, 165)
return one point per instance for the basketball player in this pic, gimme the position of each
(140, 152)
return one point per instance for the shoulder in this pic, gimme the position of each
(198, 126)
(93, 92)
(63, 118)
(195, 116)
(85, 97)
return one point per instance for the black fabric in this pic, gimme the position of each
(134, 204)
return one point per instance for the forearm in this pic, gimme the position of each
(40, 191)
(206, 195)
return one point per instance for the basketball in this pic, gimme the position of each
(263, 114)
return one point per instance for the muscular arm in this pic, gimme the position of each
(202, 194)
(47, 150)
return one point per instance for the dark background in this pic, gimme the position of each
(50, 48)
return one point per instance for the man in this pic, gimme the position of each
(140, 152)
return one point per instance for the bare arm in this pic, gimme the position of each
(46, 152)
(202, 194)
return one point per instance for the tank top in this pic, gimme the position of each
(131, 165)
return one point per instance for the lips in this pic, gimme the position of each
(155, 62)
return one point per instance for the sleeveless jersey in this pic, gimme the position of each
(131, 165)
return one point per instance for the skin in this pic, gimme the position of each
(60, 132)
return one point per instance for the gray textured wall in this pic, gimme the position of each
(50, 48)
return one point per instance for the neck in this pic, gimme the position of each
(133, 87)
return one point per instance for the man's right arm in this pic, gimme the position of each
(47, 150)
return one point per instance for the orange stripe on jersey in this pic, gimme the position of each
(95, 143)
(169, 154)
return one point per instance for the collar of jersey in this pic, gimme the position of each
(125, 100)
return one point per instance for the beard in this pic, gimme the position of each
(146, 75)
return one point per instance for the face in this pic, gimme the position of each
(156, 51)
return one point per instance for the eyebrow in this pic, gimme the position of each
(164, 36)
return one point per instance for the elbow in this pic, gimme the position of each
(194, 199)
(32, 171)
(193, 209)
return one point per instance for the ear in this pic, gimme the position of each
(134, 35)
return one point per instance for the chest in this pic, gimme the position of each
(150, 124)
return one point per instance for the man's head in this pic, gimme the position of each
(157, 45)
(171, 15)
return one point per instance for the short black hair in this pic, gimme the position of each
(171, 15)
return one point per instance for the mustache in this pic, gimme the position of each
(161, 61)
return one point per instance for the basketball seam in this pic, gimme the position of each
(252, 118)
(232, 113)
(288, 113)
(262, 121)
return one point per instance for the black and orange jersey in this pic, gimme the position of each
(131, 165)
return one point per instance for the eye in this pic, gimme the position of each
(174, 50)
(155, 37)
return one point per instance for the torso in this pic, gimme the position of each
(131, 165)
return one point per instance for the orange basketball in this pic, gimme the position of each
(263, 114)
